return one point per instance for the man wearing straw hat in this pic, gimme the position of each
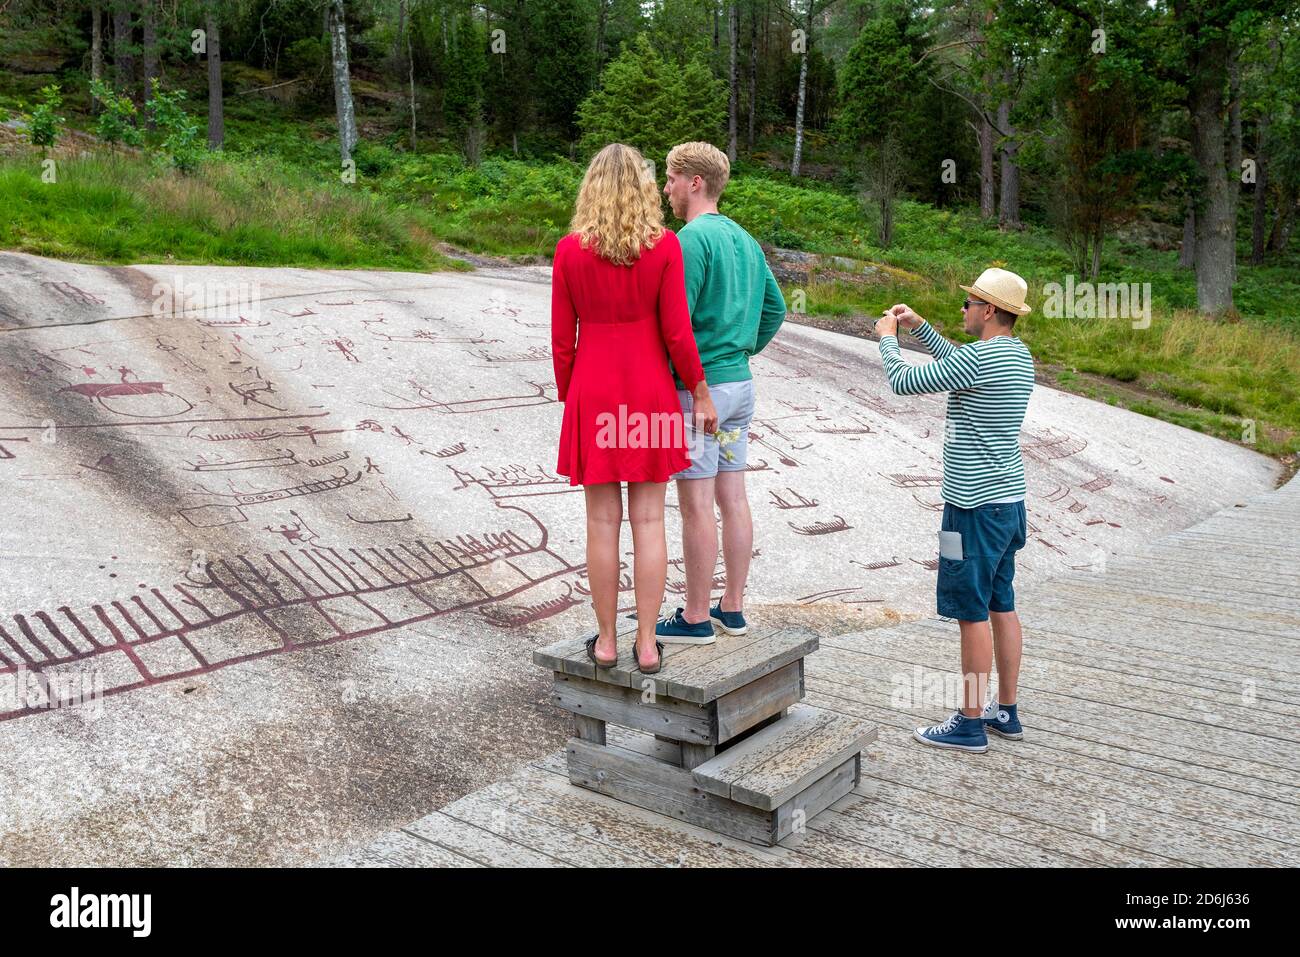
(988, 382)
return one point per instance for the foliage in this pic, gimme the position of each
(178, 132)
(652, 104)
(117, 119)
(45, 125)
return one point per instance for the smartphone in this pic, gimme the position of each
(950, 545)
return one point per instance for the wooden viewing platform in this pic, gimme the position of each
(720, 746)
(1160, 699)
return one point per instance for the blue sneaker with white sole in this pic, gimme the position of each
(732, 622)
(958, 732)
(1002, 719)
(676, 630)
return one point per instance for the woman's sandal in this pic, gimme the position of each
(659, 646)
(591, 653)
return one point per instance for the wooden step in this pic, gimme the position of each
(633, 771)
(697, 674)
(707, 725)
(780, 761)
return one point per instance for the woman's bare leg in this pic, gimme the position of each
(604, 522)
(645, 507)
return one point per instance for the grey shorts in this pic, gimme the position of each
(735, 404)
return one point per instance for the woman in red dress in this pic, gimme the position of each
(618, 312)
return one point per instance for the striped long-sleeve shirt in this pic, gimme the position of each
(988, 382)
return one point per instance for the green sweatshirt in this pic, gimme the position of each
(736, 305)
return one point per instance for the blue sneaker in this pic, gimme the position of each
(1002, 719)
(959, 732)
(732, 622)
(676, 630)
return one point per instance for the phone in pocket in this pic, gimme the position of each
(950, 545)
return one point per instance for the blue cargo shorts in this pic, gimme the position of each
(735, 404)
(981, 580)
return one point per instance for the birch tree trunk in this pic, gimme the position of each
(216, 104)
(343, 107)
(150, 51)
(1259, 217)
(410, 75)
(96, 47)
(803, 94)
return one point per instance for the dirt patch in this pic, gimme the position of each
(71, 145)
(484, 261)
(831, 619)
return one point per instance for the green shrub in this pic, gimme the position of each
(117, 124)
(179, 132)
(305, 58)
(372, 159)
(46, 124)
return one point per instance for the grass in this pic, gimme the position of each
(250, 212)
(1215, 377)
(275, 197)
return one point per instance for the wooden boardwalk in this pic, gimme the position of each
(1161, 702)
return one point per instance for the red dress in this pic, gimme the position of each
(627, 321)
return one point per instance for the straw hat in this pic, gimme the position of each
(1004, 289)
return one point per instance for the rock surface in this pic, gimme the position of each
(305, 543)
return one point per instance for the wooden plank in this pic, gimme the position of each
(769, 768)
(589, 728)
(1057, 734)
(401, 849)
(1122, 819)
(663, 839)
(478, 844)
(1125, 660)
(693, 755)
(827, 850)
(747, 706)
(569, 657)
(1163, 577)
(1282, 622)
(1007, 838)
(504, 820)
(707, 681)
(932, 658)
(661, 749)
(1185, 832)
(695, 673)
(662, 788)
(795, 813)
(679, 720)
(928, 852)
(1165, 614)
(1273, 818)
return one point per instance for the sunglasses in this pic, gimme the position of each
(966, 304)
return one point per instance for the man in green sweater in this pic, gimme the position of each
(736, 308)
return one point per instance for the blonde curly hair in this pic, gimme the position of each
(618, 212)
